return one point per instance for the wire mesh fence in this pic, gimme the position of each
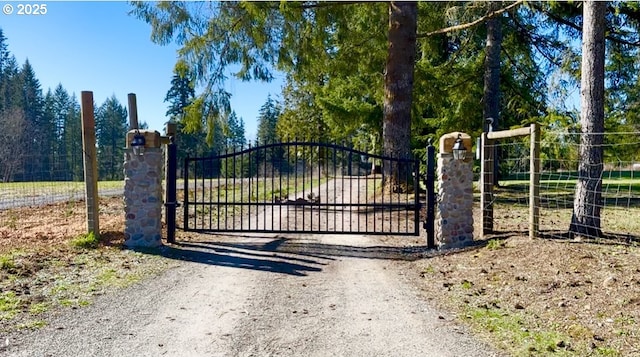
(51, 185)
(617, 199)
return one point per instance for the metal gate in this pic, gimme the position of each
(301, 187)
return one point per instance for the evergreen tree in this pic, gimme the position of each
(181, 93)
(235, 134)
(111, 127)
(72, 136)
(191, 141)
(49, 141)
(268, 121)
(11, 85)
(5, 55)
(32, 104)
(60, 103)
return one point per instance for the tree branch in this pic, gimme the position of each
(470, 24)
(579, 28)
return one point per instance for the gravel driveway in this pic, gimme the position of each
(261, 296)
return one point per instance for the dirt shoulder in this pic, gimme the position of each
(542, 297)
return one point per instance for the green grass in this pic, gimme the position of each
(13, 190)
(33, 325)
(9, 305)
(495, 244)
(7, 262)
(567, 185)
(38, 308)
(621, 199)
(85, 241)
(519, 339)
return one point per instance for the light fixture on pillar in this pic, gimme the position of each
(459, 151)
(137, 143)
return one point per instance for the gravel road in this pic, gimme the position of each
(261, 296)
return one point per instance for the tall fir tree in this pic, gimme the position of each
(111, 126)
(32, 102)
(235, 134)
(192, 142)
(72, 136)
(4, 59)
(268, 122)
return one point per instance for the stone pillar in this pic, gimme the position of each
(454, 212)
(143, 192)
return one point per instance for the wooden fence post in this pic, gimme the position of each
(90, 163)
(133, 111)
(534, 184)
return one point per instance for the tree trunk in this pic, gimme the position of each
(398, 88)
(491, 95)
(588, 197)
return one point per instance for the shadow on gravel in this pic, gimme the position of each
(319, 250)
(230, 257)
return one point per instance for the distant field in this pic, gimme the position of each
(17, 190)
(621, 203)
(610, 184)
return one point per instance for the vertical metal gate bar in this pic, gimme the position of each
(241, 188)
(350, 163)
(264, 187)
(295, 184)
(375, 189)
(273, 186)
(211, 178)
(250, 169)
(195, 194)
(385, 187)
(321, 151)
(358, 196)
(311, 197)
(431, 196)
(335, 193)
(343, 198)
(359, 200)
(416, 202)
(280, 198)
(206, 210)
(322, 157)
(233, 193)
(304, 184)
(171, 189)
(185, 210)
(226, 189)
(254, 185)
(288, 180)
(407, 179)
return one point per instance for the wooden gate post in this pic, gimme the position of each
(90, 163)
(534, 184)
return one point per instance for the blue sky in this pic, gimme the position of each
(97, 46)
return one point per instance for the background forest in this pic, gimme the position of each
(333, 56)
